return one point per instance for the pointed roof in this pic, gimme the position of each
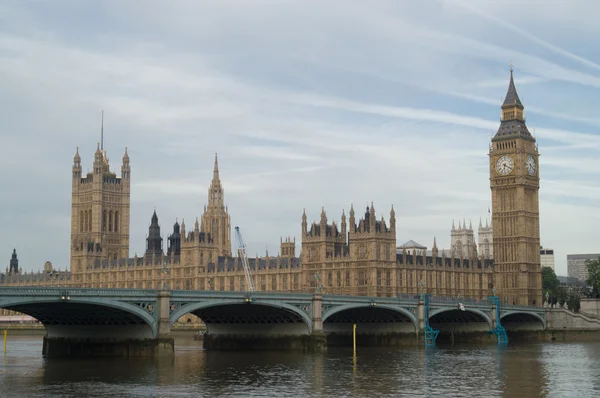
(154, 218)
(216, 169)
(512, 98)
(514, 125)
(411, 244)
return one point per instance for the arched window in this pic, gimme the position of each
(85, 213)
(81, 221)
(116, 221)
(110, 221)
(104, 220)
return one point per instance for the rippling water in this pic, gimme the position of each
(525, 370)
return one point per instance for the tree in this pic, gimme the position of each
(550, 282)
(593, 269)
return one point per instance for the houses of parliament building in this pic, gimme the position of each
(358, 256)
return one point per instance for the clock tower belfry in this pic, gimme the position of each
(515, 182)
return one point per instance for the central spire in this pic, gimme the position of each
(215, 219)
(216, 169)
(215, 192)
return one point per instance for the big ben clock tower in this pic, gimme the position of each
(515, 181)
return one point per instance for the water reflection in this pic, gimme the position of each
(521, 370)
(570, 369)
(527, 370)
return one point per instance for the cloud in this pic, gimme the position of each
(393, 104)
(526, 34)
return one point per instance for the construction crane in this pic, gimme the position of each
(244, 257)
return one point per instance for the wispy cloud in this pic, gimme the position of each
(558, 50)
(393, 103)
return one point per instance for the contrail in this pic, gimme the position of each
(526, 34)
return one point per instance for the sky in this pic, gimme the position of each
(308, 104)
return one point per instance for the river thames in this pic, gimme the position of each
(518, 370)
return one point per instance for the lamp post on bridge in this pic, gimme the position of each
(498, 329)
(318, 287)
(165, 272)
(429, 333)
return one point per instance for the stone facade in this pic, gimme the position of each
(462, 240)
(515, 182)
(485, 240)
(358, 256)
(463, 243)
(100, 204)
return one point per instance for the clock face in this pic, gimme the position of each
(504, 165)
(530, 165)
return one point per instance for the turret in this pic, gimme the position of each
(304, 223)
(352, 219)
(14, 262)
(76, 167)
(372, 219)
(125, 168)
(174, 241)
(154, 240)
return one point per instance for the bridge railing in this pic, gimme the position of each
(464, 300)
(44, 291)
(237, 294)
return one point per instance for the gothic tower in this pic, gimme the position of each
(174, 241)
(215, 219)
(154, 242)
(14, 263)
(462, 240)
(100, 204)
(514, 182)
(485, 240)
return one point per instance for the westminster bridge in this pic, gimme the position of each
(132, 322)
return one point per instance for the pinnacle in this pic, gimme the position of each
(216, 167)
(512, 98)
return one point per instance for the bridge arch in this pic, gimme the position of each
(215, 313)
(400, 313)
(454, 319)
(87, 317)
(521, 320)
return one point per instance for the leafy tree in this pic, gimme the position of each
(593, 269)
(573, 301)
(550, 282)
(561, 296)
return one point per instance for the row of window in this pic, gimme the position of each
(110, 221)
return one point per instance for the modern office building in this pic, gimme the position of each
(547, 257)
(576, 265)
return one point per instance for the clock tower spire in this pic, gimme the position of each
(514, 182)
